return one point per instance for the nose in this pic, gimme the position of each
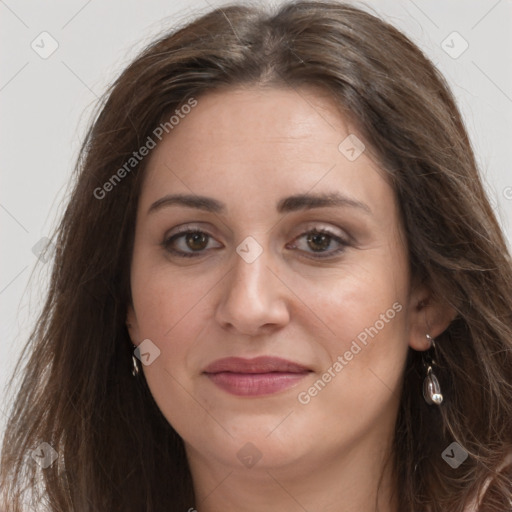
(253, 299)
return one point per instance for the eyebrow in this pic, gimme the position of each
(285, 205)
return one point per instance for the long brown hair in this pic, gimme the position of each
(115, 449)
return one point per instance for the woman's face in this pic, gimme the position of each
(275, 294)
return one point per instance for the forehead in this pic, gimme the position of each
(246, 118)
(265, 141)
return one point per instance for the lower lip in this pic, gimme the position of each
(255, 384)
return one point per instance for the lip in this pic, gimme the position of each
(262, 375)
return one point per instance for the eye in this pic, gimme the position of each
(319, 240)
(188, 243)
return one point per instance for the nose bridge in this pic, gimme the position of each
(250, 273)
(252, 296)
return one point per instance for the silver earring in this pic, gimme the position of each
(135, 365)
(431, 388)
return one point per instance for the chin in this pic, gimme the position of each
(262, 442)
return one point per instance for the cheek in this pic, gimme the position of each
(169, 310)
(173, 310)
(364, 316)
(365, 299)
(358, 388)
(165, 296)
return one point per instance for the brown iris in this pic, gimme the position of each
(320, 240)
(196, 241)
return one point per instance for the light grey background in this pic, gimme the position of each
(46, 104)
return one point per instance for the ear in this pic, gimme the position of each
(132, 324)
(428, 315)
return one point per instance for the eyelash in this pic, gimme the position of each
(316, 231)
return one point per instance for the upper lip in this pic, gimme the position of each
(262, 364)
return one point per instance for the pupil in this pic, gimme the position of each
(196, 241)
(319, 239)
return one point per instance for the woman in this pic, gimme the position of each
(278, 285)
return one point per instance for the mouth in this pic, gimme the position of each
(255, 377)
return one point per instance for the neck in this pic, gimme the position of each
(356, 479)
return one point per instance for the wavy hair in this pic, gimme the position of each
(115, 449)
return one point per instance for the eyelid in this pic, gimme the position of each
(185, 228)
(324, 227)
(178, 232)
(343, 239)
(339, 239)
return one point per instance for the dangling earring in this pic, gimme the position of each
(135, 365)
(431, 388)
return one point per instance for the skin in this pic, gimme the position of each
(248, 148)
